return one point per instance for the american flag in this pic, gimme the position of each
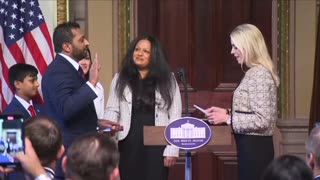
(24, 38)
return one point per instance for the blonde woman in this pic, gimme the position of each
(254, 107)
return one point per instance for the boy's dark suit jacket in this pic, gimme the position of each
(15, 107)
(68, 99)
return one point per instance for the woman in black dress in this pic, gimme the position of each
(254, 106)
(143, 93)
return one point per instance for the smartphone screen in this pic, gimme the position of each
(11, 139)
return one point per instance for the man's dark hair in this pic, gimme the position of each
(287, 167)
(45, 136)
(63, 34)
(92, 156)
(20, 71)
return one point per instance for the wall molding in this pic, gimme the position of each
(62, 11)
(294, 133)
(124, 29)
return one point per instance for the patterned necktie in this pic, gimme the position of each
(31, 110)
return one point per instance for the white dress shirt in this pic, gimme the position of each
(99, 101)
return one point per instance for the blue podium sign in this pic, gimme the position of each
(188, 133)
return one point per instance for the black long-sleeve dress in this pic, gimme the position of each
(139, 162)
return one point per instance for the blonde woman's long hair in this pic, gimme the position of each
(249, 40)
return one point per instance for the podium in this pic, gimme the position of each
(216, 160)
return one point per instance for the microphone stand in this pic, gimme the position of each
(182, 77)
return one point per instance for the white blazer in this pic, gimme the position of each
(119, 110)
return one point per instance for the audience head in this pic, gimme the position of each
(287, 167)
(145, 54)
(46, 138)
(23, 78)
(70, 40)
(313, 150)
(249, 47)
(92, 156)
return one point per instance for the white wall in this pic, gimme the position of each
(305, 43)
(100, 27)
(49, 11)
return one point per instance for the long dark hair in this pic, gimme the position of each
(159, 71)
(88, 57)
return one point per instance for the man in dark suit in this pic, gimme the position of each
(23, 78)
(68, 97)
(313, 152)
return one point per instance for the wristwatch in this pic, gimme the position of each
(229, 120)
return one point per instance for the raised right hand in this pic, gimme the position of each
(94, 71)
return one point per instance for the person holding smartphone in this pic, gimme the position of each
(143, 93)
(45, 136)
(254, 106)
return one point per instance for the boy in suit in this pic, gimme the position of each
(23, 79)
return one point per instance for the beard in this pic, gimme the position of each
(79, 54)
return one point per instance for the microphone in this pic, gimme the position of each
(182, 76)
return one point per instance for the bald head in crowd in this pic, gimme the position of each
(92, 156)
(313, 151)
